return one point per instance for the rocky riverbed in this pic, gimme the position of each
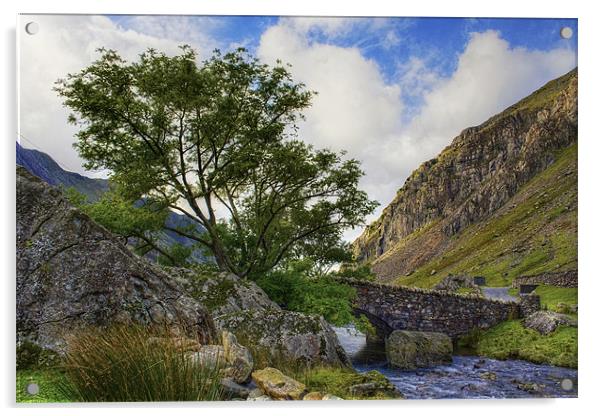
(467, 377)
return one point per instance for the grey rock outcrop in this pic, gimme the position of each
(284, 335)
(470, 180)
(223, 293)
(546, 322)
(410, 349)
(73, 273)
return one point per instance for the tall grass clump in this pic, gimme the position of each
(134, 363)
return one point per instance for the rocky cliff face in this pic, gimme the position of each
(73, 273)
(483, 168)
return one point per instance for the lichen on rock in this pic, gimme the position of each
(412, 349)
(72, 273)
(278, 335)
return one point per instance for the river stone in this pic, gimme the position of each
(277, 385)
(284, 335)
(234, 390)
(314, 395)
(262, 398)
(72, 273)
(412, 349)
(331, 397)
(239, 358)
(546, 322)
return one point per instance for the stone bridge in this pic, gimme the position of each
(398, 307)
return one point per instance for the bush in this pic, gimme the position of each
(294, 290)
(119, 364)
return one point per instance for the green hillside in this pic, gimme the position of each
(534, 232)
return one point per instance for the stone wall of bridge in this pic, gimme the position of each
(428, 310)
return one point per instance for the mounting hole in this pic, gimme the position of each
(32, 28)
(33, 389)
(566, 32)
(566, 384)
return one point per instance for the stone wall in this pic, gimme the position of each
(560, 279)
(427, 310)
(529, 304)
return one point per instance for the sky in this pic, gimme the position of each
(392, 92)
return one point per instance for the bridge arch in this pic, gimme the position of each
(429, 310)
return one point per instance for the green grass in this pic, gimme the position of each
(48, 382)
(510, 340)
(533, 233)
(337, 381)
(551, 296)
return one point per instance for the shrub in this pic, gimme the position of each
(119, 364)
(294, 290)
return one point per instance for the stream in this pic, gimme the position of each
(467, 377)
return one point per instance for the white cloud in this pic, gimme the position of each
(357, 110)
(489, 77)
(66, 44)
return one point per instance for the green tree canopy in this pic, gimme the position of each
(217, 141)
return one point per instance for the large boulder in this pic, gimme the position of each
(73, 273)
(278, 335)
(278, 386)
(223, 293)
(411, 349)
(546, 322)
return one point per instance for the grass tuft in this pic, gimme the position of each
(119, 364)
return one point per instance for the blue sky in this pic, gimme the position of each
(392, 92)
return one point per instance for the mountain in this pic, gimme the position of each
(500, 201)
(44, 167)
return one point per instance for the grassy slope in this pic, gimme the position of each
(535, 231)
(510, 340)
(533, 102)
(551, 296)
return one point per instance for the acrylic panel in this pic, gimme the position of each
(266, 208)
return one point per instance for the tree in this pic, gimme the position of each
(216, 141)
(137, 222)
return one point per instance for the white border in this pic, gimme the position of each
(590, 154)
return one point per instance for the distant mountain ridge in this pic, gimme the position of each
(489, 203)
(44, 167)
